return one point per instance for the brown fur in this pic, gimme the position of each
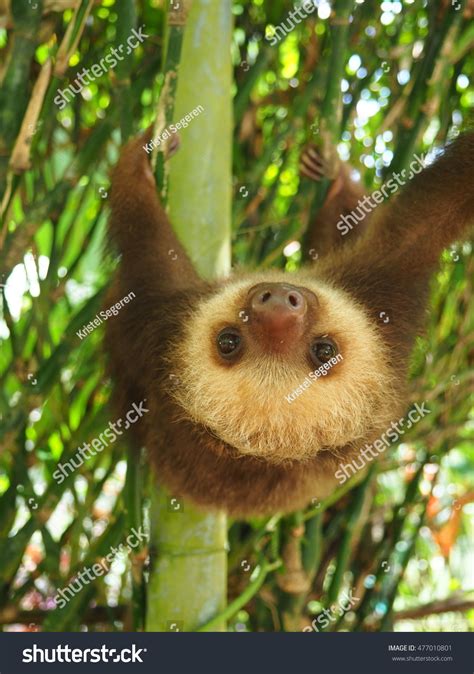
(222, 434)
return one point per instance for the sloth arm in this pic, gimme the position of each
(389, 267)
(151, 252)
(154, 266)
(343, 197)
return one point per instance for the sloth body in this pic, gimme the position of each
(260, 385)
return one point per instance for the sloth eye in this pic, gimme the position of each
(228, 343)
(322, 350)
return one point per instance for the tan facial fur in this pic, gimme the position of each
(244, 403)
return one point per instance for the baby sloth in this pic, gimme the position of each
(258, 386)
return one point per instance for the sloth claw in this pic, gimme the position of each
(312, 165)
(173, 145)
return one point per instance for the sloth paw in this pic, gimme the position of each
(312, 165)
(173, 145)
(170, 148)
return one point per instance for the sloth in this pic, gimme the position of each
(259, 385)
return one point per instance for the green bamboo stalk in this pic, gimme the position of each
(311, 553)
(251, 542)
(264, 58)
(72, 37)
(250, 591)
(384, 551)
(387, 621)
(133, 491)
(126, 21)
(14, 89)
(415, 114)
(177, 14)
(135, 479)
(335, 496)
(464, 43)
(312, 550)
(188, 578)
(348, 537)
(331, 109)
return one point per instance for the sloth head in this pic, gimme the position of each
(282, 370)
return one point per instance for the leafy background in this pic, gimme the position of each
(402, 537)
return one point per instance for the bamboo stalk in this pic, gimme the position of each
(14, 88)
(331, 109)
(250, 591)
(415, 113)
(20, 157)
(311, 554)
(73, 35)
(177, 14)
(383, 553)
(347, 539)
(126, 21)
(387, 620)
(188, 578)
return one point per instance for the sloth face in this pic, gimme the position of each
(283, 370)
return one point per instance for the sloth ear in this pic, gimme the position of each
(151, 252)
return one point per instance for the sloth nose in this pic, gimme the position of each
(278, 310)
(281, 298)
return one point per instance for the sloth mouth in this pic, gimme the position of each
(257, 450)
